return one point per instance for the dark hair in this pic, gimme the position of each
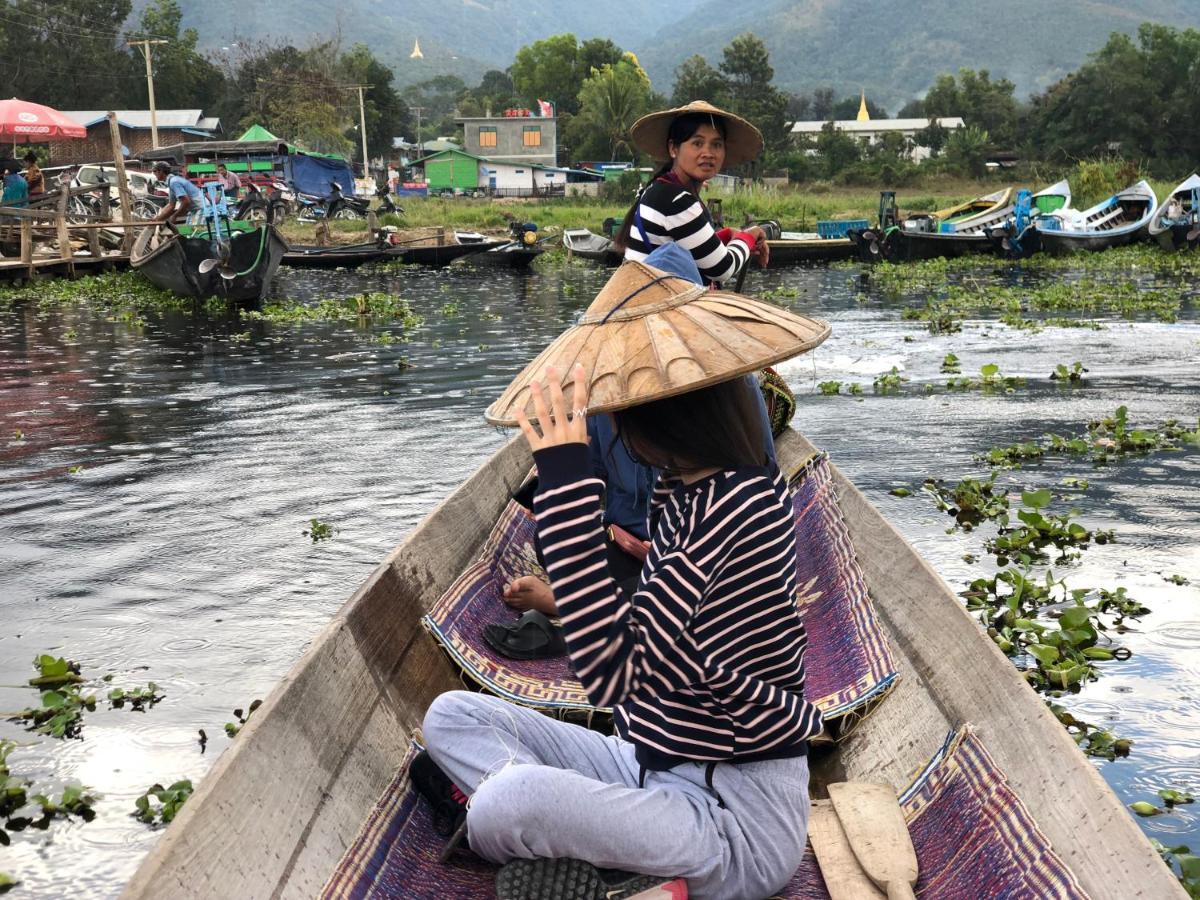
(714, 426)
(30, 157)
(222, 166)
(681, 130)
(162, 164)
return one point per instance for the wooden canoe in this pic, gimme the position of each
(588, 245)
(279, 808)
(956, 231)
(793, 247)
(1121, 219)
(1176, 224)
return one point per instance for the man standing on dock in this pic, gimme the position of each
(230, 182)
(183, 196)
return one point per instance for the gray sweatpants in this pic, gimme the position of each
(544, 788)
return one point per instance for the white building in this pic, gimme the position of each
(871, 130)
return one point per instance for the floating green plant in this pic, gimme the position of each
(169, 801)
(990, 380)
(376, 306)
(1038, 531)
(1068, 374)
(230, 728)
(829, 387)
(970, 501)
(54, 671)
(60, 714)
(21, 807)
(138, 698)
(1174, 797)
(889, 382)
(318, 530)
(1181, 856)
(1096, 742)
(951, 364)
(781, 293)
(1176, 579)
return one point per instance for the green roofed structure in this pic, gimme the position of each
(257, 133)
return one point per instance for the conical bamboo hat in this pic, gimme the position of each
(649, 335)
(743, 142)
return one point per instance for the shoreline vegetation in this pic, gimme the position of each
(795, 207)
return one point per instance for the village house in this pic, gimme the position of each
(175, 126)
(523, 140)
(871, 130)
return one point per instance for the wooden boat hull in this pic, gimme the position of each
(1122, 219)
(1178, 218)
(436, 256)
(281, 805)
(300, 256)
(785, 252)
(507, 256)
(172, 263)
(588, 245)
(903, 246)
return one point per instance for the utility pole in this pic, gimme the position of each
(145, 45)
(362, 124)
(418, 110)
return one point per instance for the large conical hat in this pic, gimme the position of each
(743, 142)
(649, 335)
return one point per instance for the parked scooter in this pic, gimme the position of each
(336, 206)
(256, 206)
(383, 192)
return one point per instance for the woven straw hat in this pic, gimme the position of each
(649, 335)
(743, 142)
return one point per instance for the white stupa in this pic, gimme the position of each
(416, 54)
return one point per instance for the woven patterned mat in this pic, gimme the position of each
(973, 839)
(848, 663)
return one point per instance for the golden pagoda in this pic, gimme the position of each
(863, 115)
(416, 54)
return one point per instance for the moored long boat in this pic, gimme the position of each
(793, 247)
(588, 245)
(1018, 237)
(184, 263)
(282, 804)
(956, 231)
(1121, 219)
(1176, 224)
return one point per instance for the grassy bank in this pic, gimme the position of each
(796, 207)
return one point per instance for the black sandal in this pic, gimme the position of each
(533, 636)
(570, 879)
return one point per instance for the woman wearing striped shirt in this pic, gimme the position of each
(703, 664)
(696, 141)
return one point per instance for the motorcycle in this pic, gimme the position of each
(336, 206)
(259, 207)
(88, 207)
(384, 194)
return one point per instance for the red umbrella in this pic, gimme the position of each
(25, 122)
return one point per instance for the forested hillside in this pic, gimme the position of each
(893, 51)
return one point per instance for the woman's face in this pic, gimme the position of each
(701, 156)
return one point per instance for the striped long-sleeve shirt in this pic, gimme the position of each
(669, 213)
(705, 661)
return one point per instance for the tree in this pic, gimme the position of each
(438, 98)
(966, 150)
(611, 100)
(695, 79)
(386, 112)
(988, 104)
(822, 104)
(1143, 96)
(183, 78)
(746, 65)
(913, 109)
(68, 54)
(933, 136)
(556, 67)
(836, 149)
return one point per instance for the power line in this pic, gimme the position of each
(77, 34)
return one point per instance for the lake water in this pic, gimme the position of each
(155, 482)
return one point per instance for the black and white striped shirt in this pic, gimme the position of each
(669, 213)
(706, 660)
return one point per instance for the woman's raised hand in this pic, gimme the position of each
(555, 423)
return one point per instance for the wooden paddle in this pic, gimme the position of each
(844, 877)
(871, 817)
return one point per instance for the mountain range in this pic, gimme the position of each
(892, 51)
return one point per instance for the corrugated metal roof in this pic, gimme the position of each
(140, 118)
(877, 125)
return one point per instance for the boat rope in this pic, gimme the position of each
(262, 243)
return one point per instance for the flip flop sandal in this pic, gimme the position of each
(574, 879)
(533, 636)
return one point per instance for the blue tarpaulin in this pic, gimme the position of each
(312, 174)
